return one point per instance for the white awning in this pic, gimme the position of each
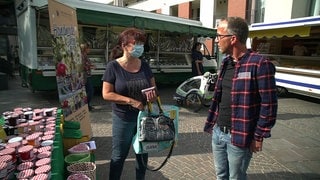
(295, 27)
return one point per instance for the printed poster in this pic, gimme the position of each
(69, 71)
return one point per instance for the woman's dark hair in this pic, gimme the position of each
(116, 52)
(195, 46)
(132, 35)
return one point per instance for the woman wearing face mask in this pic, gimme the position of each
(123, 81)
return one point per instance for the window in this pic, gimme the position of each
(259, 11)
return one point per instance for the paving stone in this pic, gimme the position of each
(291, 152)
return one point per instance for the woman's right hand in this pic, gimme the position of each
(136, 104)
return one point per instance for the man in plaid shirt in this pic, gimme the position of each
(244, 106)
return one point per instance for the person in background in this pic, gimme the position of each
(16, 58)
(244, 107)
(123, 80)
(299, 49)
(197, 60)
(116, 52)
(87, 67)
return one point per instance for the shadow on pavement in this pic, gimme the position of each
(290, 116)
(301, 97)
(283, 176)
(103, 154)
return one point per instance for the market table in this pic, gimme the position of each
(57, 161)
(57, 156)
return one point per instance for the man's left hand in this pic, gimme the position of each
(256, 146)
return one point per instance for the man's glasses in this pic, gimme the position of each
(221, 36)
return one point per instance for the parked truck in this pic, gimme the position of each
(168, 49)
(296, 74)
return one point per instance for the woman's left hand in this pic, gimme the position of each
(151, 95)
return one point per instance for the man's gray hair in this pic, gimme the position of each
(238, 27)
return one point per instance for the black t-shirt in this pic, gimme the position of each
(128, 84)
(224, 118)
(196, 55)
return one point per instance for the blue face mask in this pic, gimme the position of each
(137, 51)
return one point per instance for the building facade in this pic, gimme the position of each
(209, 11)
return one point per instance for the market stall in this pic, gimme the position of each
(170, 40)
(276, 40)
(32, 145)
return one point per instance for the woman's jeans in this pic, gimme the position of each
(122, 134)
(231, 162)
(89, 90)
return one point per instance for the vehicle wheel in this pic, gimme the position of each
(206, 102)
(193, 101)
(281, 91)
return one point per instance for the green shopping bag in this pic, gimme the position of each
(147, 147)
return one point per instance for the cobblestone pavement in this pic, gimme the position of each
(291, 153)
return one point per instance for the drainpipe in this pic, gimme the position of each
(316, 11)
(253, 11)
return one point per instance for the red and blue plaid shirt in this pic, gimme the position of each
(254, 100)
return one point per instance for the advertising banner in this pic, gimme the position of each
(69, 69)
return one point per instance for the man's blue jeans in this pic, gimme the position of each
(122, 134)
(231, 162)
